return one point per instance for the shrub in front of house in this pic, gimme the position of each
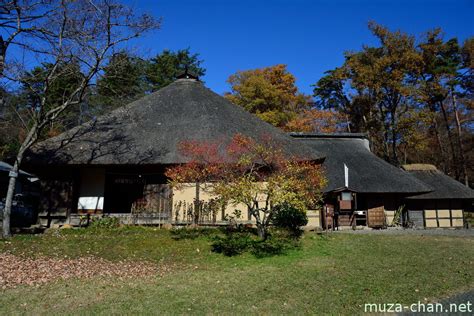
(236, 243)
(270, 247)
(232, 244)
(182, 233)
(290, 218)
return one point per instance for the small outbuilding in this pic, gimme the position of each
(363, 189)
(445, 205)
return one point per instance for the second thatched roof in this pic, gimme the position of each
(367, 172)
(444, 187)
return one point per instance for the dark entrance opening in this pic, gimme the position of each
(121, 191)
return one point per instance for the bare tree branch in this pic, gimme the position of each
(58, 33)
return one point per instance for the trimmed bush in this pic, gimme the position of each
(232, 244)
(270, 247)
(192, 233)
(290, 218)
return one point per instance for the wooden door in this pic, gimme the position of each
(375, 213)
(327, 216)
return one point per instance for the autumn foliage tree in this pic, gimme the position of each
(256, 173)
(412, 95)
(315, 120)
(271, 93)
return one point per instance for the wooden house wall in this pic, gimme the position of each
(437, 213)
(380, 207)
(58, 195)
(91, 191)
(184, 200)
(63, 189)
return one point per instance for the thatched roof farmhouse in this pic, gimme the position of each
(115, 163)
(363, 188)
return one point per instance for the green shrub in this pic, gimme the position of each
(232, 244)
(105, 222)
(240, 228)
(192, 233)
(290, 218)
(269, 247)
(236, 243)
(277, 243)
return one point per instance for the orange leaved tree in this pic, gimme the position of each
(256, 173)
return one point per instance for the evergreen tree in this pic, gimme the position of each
(165, 67)
(122, 81)
(69, 75)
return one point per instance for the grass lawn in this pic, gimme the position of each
(333, 274)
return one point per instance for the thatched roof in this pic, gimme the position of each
(149, 130)
(419, 167)
(444, 187)
(367, 172)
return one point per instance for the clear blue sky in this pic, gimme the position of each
(309, 36)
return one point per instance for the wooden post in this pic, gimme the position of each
(196, 204)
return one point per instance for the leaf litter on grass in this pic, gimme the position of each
(17, 270)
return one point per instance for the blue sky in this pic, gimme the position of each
(309, 36)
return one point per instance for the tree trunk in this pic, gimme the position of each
(459, 133)
(440, 146)
(197, 204)
(393, 122)
(442, 154)
(383, 119)
(2, 66)
(29, 140)
(261, 231)
(9, 200)
(450, 138)
(261, 227)
(3, 51)
(2, 104)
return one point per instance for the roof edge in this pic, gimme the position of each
(419, 167)
(328, 135)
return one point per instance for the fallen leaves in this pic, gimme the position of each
(18, 270)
